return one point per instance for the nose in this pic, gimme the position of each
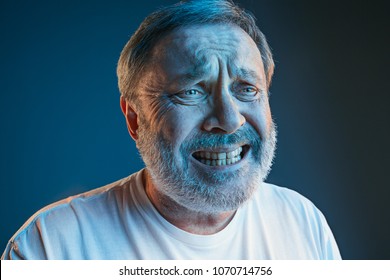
(225, 116)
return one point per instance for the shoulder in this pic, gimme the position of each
(74, 205)
(67, 220)
(280, 190)
(283, 195)
(288, 203)
(284, 210)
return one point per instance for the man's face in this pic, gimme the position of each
(205, 127)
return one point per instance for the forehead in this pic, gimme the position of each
(199, 45)
(220, 37)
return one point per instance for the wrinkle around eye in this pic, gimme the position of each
(159, 107)
(247, 93)
(191, 97)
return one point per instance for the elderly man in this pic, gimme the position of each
(194, 82)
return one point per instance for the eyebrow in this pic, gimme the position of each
(246, 74)
(195, 74)
(240, 73)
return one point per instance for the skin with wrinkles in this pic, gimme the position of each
(203, 90)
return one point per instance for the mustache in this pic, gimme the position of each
(246, 134)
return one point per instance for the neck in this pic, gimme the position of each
(186, 219)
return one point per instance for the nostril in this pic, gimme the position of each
(217, 130)
(226, 124)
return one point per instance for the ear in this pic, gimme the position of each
(131, 117)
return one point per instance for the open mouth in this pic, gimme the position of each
(221, 158)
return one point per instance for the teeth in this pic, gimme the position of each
(219, 159)
(221, 155)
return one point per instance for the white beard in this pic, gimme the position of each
(206, 192)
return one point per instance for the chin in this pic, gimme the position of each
(216, 192)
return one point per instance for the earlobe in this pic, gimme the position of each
(130, 116)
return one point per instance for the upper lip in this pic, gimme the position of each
(219, 149)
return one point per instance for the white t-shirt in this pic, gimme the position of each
(118, 221)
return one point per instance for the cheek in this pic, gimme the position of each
(177, 124)
(259, 116)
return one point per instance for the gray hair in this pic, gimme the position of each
(136, 52)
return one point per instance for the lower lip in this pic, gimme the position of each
(222, 167)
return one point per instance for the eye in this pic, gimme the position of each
(249, 90)
(192, 93)
(246, 93)
(189, 97)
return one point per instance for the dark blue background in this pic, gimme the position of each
(62, 131)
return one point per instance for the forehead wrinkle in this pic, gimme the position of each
(204, 60)
(201, 51)
(214, 39)
(201, 65)
(200, 47)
